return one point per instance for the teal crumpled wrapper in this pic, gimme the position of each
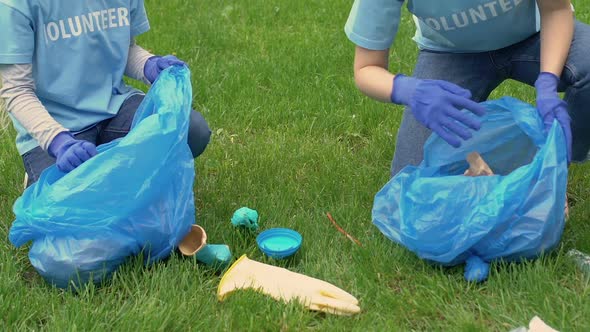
(245, 217)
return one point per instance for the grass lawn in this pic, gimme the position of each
(293, 138)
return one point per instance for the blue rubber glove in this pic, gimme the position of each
(551, 107)
(437, 105)
(70, 152)
(154, 66)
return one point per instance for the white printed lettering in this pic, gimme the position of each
(433, 23)
(53, 31)
(75, 26)
(112, 18)
(123, 17)
(473, 15)
(505, 5)
(45, 33)
(75, 30)
(478, 14)
(96, 14)
(461, 24)
(492, 6)
(88, 23)
(445, 24)
(64, 34)
(105, 18)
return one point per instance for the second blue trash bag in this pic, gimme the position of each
(448, 218)
(135, 196)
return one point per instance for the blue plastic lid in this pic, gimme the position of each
(279, 242)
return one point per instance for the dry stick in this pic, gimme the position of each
(350, 237)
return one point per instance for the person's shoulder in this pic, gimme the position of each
(22, 6)
(135, 3)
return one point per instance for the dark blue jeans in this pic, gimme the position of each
(481, 73)
(37, 160)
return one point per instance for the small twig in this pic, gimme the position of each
(350, 237)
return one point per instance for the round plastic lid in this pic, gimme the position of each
(279, 242)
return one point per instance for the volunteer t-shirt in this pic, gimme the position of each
(78, 49)
(445, 25)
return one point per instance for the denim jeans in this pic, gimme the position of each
(481, 73)
(37, 160)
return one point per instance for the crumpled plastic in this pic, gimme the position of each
(135, 196)
(245, 217)
(518, 213)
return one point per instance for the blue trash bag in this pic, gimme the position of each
(135, 196)
(448, 218)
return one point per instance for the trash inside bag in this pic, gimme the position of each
(516, 213)
(135, 196)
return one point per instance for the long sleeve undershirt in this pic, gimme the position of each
(136, 61)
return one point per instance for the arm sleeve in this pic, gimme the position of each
(373, 24)
(136, 62)
(18, 91)
(17, 36)
(139, 20)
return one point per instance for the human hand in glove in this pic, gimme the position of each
(282, 284)
(156, 64)
(70, 152)
(437, 105)
(551, 107)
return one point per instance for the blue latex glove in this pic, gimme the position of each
(154, 66)
(551, 107)
(437, 105)
(70, 152)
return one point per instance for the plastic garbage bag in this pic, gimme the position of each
(135, 196)
(448, 218)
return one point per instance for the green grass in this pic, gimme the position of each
(293, 138)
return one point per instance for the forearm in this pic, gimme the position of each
(557, 30)
(371, 75)
(136, 62)
(375, 82)
(18, 91)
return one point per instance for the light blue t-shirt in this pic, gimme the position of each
(78, 49)
(456, 26)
